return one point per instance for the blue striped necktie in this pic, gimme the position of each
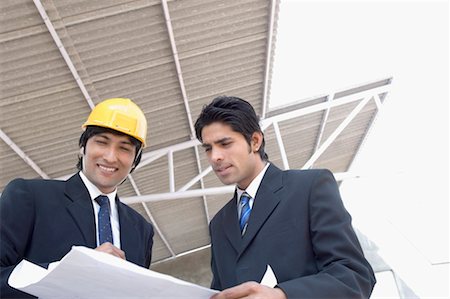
(245, 211)
(104, 220)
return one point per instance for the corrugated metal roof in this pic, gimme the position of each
(123, 49)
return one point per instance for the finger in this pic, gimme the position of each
(111, 249)
(240, 291)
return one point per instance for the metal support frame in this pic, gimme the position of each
(185, 97)
(63, 52)
(281, 145)
(21, 154)
(323, 123)
(273, 4)
(362, 97)
(150, 216)
(336, 133)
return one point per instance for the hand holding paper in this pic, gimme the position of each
(265, 289)
(86, 273)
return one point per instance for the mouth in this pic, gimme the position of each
(221, 170)
(106, 168)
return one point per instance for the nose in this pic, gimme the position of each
(215, 155)
(110, 154)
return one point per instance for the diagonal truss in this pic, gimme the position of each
(186, 105)
(362, 98)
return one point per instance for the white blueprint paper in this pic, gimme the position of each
(269, 279)
(86, 273)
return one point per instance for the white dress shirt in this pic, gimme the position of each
(251, 189)
(94, 192)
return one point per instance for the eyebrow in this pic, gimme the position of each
(222, 140)
(127, 141)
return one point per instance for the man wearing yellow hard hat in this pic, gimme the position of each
(42, 219)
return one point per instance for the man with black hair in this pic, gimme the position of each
(42, 219)
(293, 221)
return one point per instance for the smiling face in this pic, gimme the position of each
(233, 160)
(107, 160)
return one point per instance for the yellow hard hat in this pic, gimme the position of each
(121, 115)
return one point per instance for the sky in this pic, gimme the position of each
(401, 201)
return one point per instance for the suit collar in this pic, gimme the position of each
(82, 211)
(265, 202)
(231, 223)
(80, 208)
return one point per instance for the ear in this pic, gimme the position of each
(256, 141)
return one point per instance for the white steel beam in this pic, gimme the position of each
(178, 195)
(379, 108)
(171, 171)
(183, 92)
(318, 107)
(323, 123)
(177, 64)
(265, 123)
(150, 216)
(273, 4)
(149, 157)
(205, 192)
(21, 154)
(378, 101)
(336, 133)
(199, 167)
(63, 51)
(181, 254)
(195, 179)
(281, 145)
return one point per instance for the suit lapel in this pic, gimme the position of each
(129, 240)
(264, 204)
(231, 223)
(80, 208)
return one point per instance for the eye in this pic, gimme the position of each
(206, 147)
(125, 148)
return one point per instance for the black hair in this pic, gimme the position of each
(95, 130)
(235, 112)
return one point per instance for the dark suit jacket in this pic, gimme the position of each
(298, 226)
(42, 219)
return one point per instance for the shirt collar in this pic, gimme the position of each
(254, 185)
(94, 192)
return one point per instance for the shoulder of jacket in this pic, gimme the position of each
(34, 182)
(305, 174)
(221, 213)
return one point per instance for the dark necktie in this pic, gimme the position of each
(245, 211)
(104, 220)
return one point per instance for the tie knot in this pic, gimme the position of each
(102, 200)
(244, 198)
